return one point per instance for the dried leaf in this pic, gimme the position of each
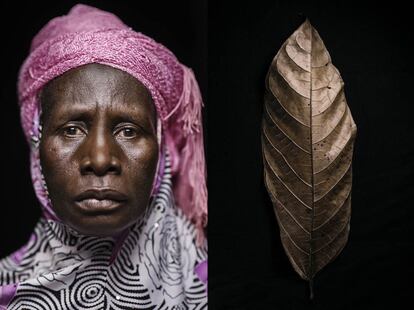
(307, 137)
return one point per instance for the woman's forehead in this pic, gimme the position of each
(96, 84)
(96, 77)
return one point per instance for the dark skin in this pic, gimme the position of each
(99, 148)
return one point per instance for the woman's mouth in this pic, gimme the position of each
(100, 201)
(95, 206)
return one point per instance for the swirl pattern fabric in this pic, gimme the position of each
(153, 269)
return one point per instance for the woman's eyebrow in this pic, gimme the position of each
(74, 108)
(134, 108)
(140, 116)
(129, 117)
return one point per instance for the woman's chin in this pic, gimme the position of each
(101, 225)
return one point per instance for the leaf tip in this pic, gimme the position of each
(302, 17)
(307, 24)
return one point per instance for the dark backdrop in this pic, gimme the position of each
(371, 45)
(182, 27)
(372, 48)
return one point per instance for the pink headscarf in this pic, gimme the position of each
(89, 35)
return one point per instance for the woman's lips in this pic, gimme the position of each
(100, 201)
(94, 206)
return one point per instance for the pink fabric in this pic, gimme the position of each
(202, 271)
(7, 293)
(89, 35)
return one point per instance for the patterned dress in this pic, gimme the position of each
(152, 266)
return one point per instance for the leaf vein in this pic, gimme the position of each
(294, 195)
(336, 183)
(290, 214)
(287, 136)
(285, 159)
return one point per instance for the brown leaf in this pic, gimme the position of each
(307, 137)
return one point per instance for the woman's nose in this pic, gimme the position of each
(100, 154)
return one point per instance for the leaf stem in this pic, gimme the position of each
(311, 289)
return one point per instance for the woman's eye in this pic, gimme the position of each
(127, 132)
(72, 131)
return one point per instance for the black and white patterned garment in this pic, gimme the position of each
(152, 269)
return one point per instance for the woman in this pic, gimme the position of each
(114, 123)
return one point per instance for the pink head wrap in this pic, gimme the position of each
(89, 35)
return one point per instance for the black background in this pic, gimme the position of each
(371, 45)
(182, 27)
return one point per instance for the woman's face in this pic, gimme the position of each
(99, 148)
